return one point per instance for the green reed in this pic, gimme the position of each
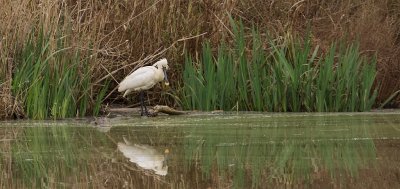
(53, 80)
(289, 74)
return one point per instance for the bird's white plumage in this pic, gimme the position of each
(141, 79)
(144, 78)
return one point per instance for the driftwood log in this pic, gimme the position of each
(167, 110)
(153, 111)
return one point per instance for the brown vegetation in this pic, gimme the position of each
(126, 34)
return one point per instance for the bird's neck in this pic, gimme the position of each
(159, 74)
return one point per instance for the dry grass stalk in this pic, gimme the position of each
(119, 35)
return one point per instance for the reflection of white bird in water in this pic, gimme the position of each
(145, 78)
(145, 156)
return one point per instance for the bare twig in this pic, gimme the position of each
(130, 19)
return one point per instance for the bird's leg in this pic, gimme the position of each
(145, 110)
(142, 105)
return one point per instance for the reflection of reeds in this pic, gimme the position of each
(206, 151)
(278, 150)
(288, 76)
(61, 157)
(56, 155)
(47, 148)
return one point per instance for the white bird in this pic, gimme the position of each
(145, 78)
(145, 156)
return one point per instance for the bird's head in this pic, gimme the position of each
(163, 64)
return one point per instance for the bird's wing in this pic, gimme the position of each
(139, 78)
(141, 71)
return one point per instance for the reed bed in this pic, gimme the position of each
(124, 35)
(286, 75)
(53, 83)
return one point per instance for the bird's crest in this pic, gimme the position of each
(163, 63)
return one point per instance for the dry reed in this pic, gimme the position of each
(122, 34)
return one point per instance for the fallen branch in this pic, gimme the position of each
(153, 111)
(167, 110)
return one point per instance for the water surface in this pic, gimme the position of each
(227, 150)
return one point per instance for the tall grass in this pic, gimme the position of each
(52, 80)
(289, 75)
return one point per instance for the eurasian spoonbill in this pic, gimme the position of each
(145, 78)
